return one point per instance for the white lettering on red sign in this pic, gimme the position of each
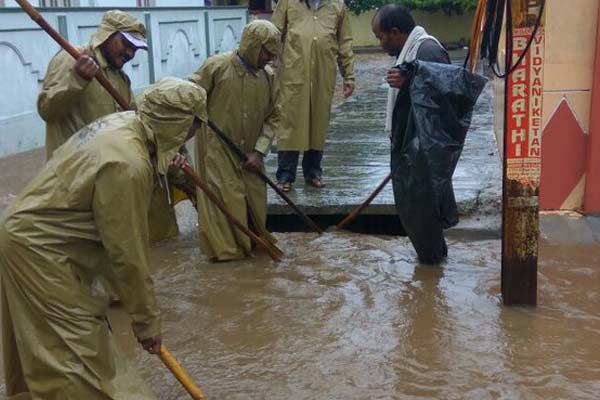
(524, 108)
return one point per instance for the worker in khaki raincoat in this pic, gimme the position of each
(316, 36)
(70, 97)
(90, 201)
(242, 102)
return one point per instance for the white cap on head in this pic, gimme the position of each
(138, 42)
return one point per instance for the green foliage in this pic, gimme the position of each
(448, 6)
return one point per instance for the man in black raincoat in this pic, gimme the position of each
(429, 112)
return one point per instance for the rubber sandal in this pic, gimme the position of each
(315, 182)
(284, 186)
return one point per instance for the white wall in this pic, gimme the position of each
(12, 3)
(113, 3)
(179, 3)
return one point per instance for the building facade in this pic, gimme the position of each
(570, 148)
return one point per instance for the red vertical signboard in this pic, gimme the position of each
(524, 109)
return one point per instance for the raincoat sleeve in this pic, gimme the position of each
(204, 77)
(61, 88)
(120, 206)
(263, 143)
(345, 54)
(279, 18)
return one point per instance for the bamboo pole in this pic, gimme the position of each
(364, 205)
(179, 373)
(474, 47)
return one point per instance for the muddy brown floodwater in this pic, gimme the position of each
(349, 316)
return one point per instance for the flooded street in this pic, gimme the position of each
(349, 316)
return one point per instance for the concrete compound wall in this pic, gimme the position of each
(448, 29)
(180, 39)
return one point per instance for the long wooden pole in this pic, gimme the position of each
(271, 248)
(165, 356)
(364, 205)
(240, 154)
(179, 373)
(476, 35)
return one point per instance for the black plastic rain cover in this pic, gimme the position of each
(438, 108)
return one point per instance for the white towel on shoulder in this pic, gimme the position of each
(408, 54)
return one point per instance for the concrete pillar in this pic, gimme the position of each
(591, 201)
(207, 33)
(151, 67)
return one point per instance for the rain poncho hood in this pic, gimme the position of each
(167, 110)
(258, 34)
(117, 21)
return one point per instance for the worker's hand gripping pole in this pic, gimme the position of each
(271, 248)
(242, 157)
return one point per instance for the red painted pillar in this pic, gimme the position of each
(591, 201)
